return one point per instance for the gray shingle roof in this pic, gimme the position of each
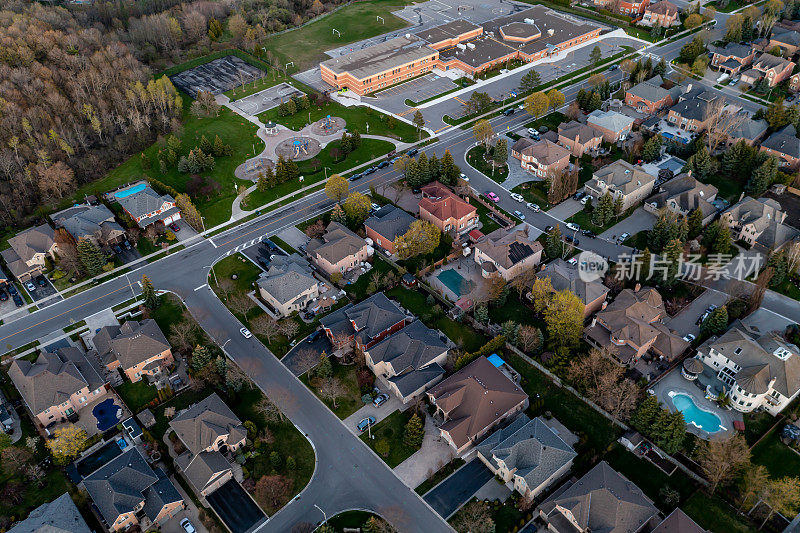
(159, 494)
(26, 244)
(143, 202)
(199, 426)
(603, 500)
(54, 377)
(622, 176)
(610, 120)
(750, 129)
(59, 516)
(118, 486)
(94, 222)
(287, 277)
(678, 522)
(201, 469)
(390, 222)
(337, 243)
(687, 193)
(564, 276)
(650, 90)
(694, 107)
(733, 50)
(784, 141)
(507, 247)
(131, 343)
(371, 317)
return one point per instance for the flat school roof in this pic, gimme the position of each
(447, 31)
(381, 57)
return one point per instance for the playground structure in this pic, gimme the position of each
(328, 126)
(298, 148)
(250, 169)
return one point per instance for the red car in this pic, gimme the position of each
(493, 197)
(174, 227)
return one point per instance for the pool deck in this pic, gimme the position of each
(466, 267)
(675, 382)
(88, 422)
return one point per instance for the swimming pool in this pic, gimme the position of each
(107, 413)
(131, 190)
(700, 418)
(99, 457)
(455, 282)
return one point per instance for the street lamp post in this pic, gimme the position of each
(326, 172)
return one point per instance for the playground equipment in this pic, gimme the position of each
(327, 124)
(300, 144)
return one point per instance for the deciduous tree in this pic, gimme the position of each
(474, 517)
(336, 187)
(356, 207)
(273, 491)
(67, 442)
(536, 104)
(564, 318)
(483, 132)
(722, 460)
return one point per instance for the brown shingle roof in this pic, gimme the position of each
(131, 343)
(202, 424)
(664, 7)
(337, 243)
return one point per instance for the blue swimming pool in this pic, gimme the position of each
(455, 282)
(132, 190)
(107, 414)
(705, 420)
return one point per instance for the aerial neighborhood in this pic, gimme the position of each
(402, 267)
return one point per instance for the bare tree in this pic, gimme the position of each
(225, 287)
(306, 359)
(270, 411)
(752, 484)
(181, 334)
(266, 326)
(757, 296)
(240, 304)
(792, 255)
(721, 123)
(722, 460)
(15, 459)
(332, 389)
(604, 382)
(289, 328)
(529, 338)
(272, 491)
(474, 517)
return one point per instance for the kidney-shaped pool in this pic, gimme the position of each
(692, 414)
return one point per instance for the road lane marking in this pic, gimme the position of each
(201, 286)
(212, 243)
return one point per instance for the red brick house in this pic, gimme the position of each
(446, 210)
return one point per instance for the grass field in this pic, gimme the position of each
(306, 46)
(137, 395)
(348, 403)
(779, 459)
(715, 514)
(476, 156)
(232, 129)
(391, 429)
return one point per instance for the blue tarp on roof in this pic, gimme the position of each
(496, 360)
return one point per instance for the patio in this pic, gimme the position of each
(673, 385)
(87, 420)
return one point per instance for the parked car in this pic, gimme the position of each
(12, 290)
(174, 227)
(613, 67)
(519, 215)
(245, 333)
(354, 177)
(701, 319)
(533, 207)
(314, 336)
(380, 399)
(117, 249)
(364, 424)
(532, 131)
(516, 196)
(127, 245)
(548, 229)
(622, 238)
(17, 300)
(508, 111)
(394, 160)
(689, 337)
(586, 199)
(573, 226)
(578, 195)
(464, 177)
(383, 164)
(412, 152)
(369, 171)
(374, 206)
(187, 526)
(3, 295)
(30, 286)
(492, 196)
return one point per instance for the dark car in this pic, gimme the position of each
(12, 289)
(127, 245)
(369, 171)
(264, 262)
(117, 249)
(174, 226)
(3, 296)
(314, 336)
(568, 238)
(17, 300)
(509, 111)
(416, 190)
(354, 177)
(41, 281)
(578, 195)
(383, 164)
(412, 152)
(309, 315)
(548, 229)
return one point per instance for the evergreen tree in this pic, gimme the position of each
(355, 141)
(344, 144)
(151, 300)
(261, 184)
(529, 81)
(722, 241)
(646, 414)
(554, 246)
(695, 224)
(280, 170)
(661, 68)
(619, 206)
(91, 257)
(500, 152)
(682, 229)
(414, 175)
(603, 211)
(582, 98)
(701, 164)
(414, 432)
(780, 268)
(292, 171)
(660, 234)
(733, 158)
(291, 107)
(671, 437)
(595, 102)
(324, 369)
(450, 171)
(424, 171)
(434, 168)
(673, 253)
(201, 357)
(338, 215)
(652, 148)
(716, 322)
(646, 261)
(205, 145)
(763, 177)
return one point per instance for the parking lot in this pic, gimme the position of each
(418, 89)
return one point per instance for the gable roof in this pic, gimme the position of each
(475, 398)
(118, 486)
(565, 276)
(202, 468)
(443, 204)
(664, 7)
(143, 202)
(678, 522)
(287, 277)
(544, 151)
(25, 244)
(88, 221)
(687, 193)
(574, 129)
(507, 247)
(54, 377)
(650, 90)
(337, 243)
(159, 494)
(622, 176)
(733, 49)
(784, 141)
(389, 222)
(202, 424)
(605, 501)
(785, 36)
(695, 106)
(131, 343)
(764, 62)
(59, 516)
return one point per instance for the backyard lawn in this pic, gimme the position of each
(392, 429)
(779, 459)
(358, 290)
(137, 395)
(351, 401)
(306, 46)
(715, 514)
(216, 208)
(414, 264)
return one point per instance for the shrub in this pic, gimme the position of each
(382, 447)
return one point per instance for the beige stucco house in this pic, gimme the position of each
(339, 250)
(508, 252)
(137, 348)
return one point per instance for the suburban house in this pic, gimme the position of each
(678, 522)
(602, 500)
(27, 251)
(563, 276)
(787, 39)
(58, 516)
(58, 385)
(682, 195)
(507, 252)
(663, 14)
(760, 370)
(527, 455)
(731, 58)
(208, 429)
(613, 126)
(543, 158)
(95, 223)
(145, 206)
(339, 250)
(410, 361)
(758, 221)
(367, 322)
(632, 8)
(650, 96)
(749, 130)
(288, 285)
(386, 224)
(774, 69)
(784, 145)
(692, 112)
(631, 325)
(579, 138)
(127, 492)
(137, 348)
(446, 210)
(621, 178)
(473, 401)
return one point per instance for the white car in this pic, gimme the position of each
(533, 207)
(519, 215)
(586, 199)
(573, 226)
(245, 333)
(516, 196)
(532, 131)
(572, 261)
(689, 337)
(465, 178)
(187, 526)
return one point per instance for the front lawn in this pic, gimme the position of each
(476, 157)
(535, 192)
(551, 121)
(488, 224)
(137, 395)
(638, 241)
(392, 428)
(584, 220)
(346, 375)
(246, 273)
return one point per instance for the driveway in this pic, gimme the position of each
(565, 210)
(42, 293)
(293, 237)
(129, 256)
(295, 359)
(433, 455)
(685, 321)
(235, 507)
(392, 404)
(185, 230)
(449, 495)
(639, 220)
(173, 525)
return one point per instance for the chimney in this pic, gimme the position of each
(637, 288)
